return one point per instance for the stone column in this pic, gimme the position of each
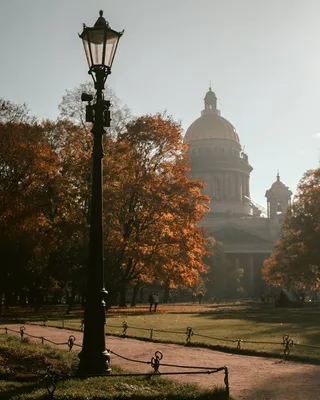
(248, 186)
(231, 185)
(226, 185)
(237, 187)
(244, 187)
(223, 186)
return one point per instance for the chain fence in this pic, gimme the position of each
(285, 344)
(51, 379)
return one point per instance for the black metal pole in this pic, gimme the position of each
(94, 358)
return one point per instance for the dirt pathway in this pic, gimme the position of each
(250, 378)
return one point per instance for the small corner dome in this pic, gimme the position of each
(279, 187)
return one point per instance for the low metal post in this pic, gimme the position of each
(189, 334)
(226, 380)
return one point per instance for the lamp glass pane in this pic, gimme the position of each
(111, 46)
(87, 51)
(96, 38)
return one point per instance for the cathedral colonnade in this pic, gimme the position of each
(251, 264)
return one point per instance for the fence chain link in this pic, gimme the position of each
(189, 334)
(287, 343)
(50, 385)
(71, 341)
(226, 380)
(22, 329)
(155, 361)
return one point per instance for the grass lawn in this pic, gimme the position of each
(249, 322)
(23, 365)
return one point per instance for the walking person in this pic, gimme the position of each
(155, 300)
(150, 301)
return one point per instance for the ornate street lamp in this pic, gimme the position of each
(100, 44)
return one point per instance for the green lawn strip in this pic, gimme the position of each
(24, 364)
(260, 326)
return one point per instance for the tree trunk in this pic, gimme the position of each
(141, 295)
(136, 289)
(123, 292)
(166, 291)
(112, 297)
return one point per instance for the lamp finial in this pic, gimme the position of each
(101, 20)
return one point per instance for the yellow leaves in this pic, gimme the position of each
(152, 207)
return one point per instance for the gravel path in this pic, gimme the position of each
(250, 378)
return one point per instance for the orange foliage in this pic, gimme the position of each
(151, 206)
(27, 166)
(296, 259)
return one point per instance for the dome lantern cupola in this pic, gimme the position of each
(210, 101)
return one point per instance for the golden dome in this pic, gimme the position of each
(211, 125)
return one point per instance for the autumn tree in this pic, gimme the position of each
(295, 262)
(152, 208)
(27, 165)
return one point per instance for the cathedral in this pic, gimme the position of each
(247, 230)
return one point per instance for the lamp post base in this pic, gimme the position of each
(94, 363)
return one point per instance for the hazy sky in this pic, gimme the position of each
(262, 56)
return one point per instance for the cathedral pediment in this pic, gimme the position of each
(231, 235)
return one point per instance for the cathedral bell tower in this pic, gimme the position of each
(278, 199)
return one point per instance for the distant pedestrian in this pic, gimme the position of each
(150, 301)
(193, 298)
(200, 296)
(155, 300)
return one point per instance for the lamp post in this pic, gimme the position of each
(100, 44)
